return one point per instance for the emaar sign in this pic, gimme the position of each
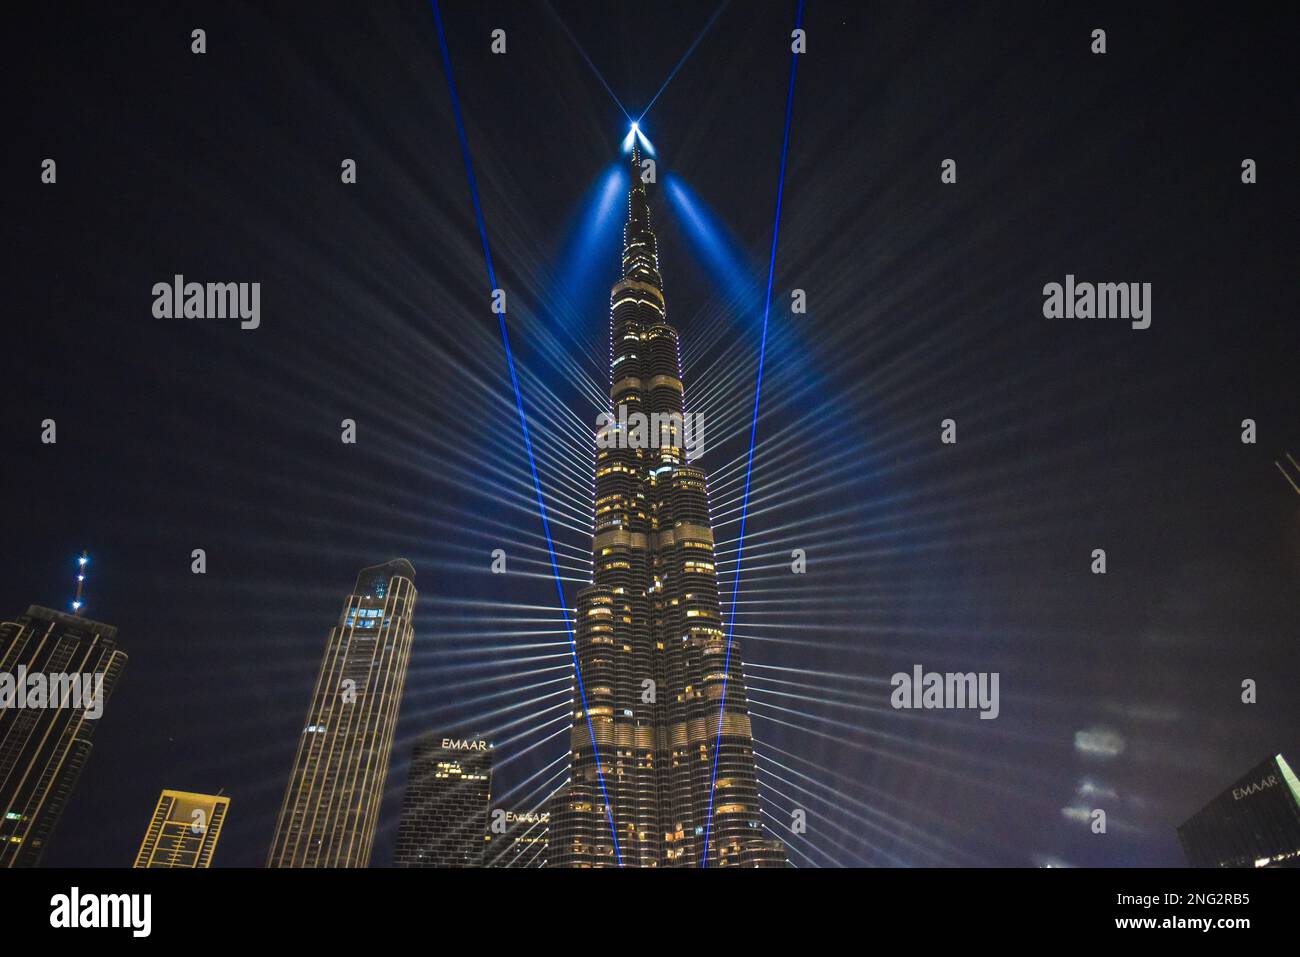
(1262, 785)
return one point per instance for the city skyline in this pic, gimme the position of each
(228, 480)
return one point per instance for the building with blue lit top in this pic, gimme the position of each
(661, 757)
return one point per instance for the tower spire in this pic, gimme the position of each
(77, 601)
(642, 768)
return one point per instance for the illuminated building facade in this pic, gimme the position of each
(331, 806)
(1255, 823)
(523, 843)
(183, 831)
(445, 806)
(44, 747)
(651, 642)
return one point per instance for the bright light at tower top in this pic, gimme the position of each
(634, 135)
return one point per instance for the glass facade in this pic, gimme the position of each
(445, 806)
(336, 786)
(43, 748)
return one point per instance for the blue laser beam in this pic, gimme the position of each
(627, 144)
(753, 434)
(519, 405)
(574, 40)
(685, 57)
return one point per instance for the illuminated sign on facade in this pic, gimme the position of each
(1254, 788)
(1254, 823)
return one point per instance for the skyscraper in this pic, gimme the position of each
(56, 674)
(651, 643)
(1255, 823)
(522, 843)
(445, 805)
(183, 831)
(331, 806)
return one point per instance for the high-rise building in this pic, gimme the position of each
(445, 806)
(1255, 823)
(56, 674)
(673, 762)
(522, 841)
(331, 806)
(183, 831)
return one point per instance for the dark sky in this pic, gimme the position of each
(925, 303)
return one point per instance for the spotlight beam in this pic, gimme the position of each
(578, 46)
(923, 835)
(519, 401)
(753, 433)
(685, 56)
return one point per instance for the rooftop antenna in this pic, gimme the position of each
(77, 601)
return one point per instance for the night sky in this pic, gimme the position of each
(924, 303)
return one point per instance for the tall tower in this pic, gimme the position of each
(183, 831)
(445, 806)
(56, 673)
(331, 807)
(651, 644)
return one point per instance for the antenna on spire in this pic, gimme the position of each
(77, 601)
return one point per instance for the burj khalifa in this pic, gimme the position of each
(661, 751)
